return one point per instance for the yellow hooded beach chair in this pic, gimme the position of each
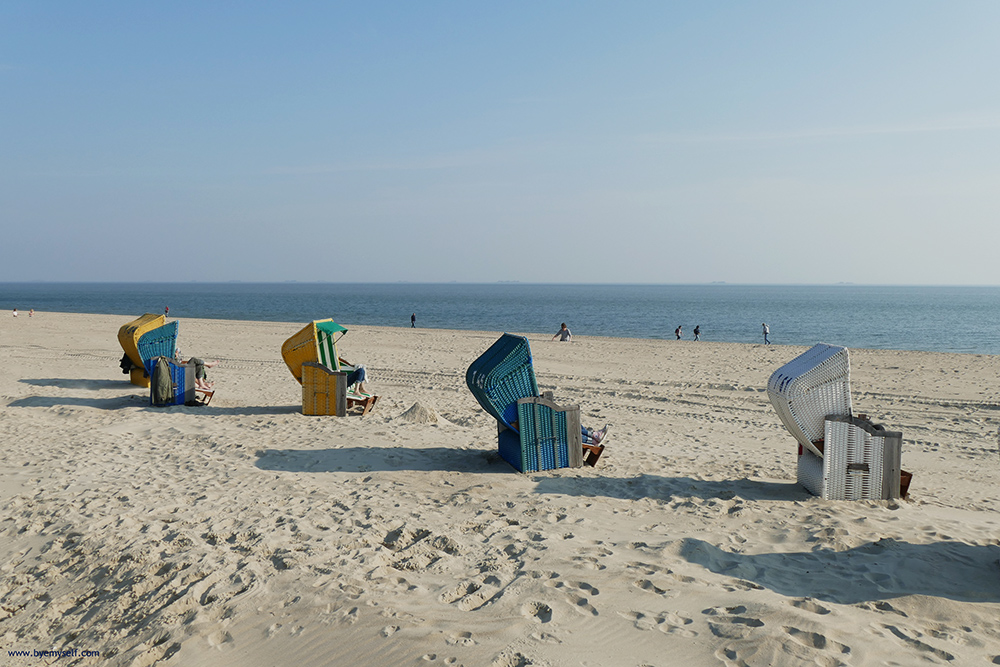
(311, 356)
(129, 335)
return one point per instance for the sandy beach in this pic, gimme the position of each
(245, 533)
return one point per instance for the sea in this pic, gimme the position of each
(964, 319)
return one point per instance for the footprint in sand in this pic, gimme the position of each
(471, 595)
(808, 604)
(667, 623)
(816, 640)
(731, 623)
(883, 606)
(576, 593)
(537, 611)
(650, 587)
(910, 639)
(460, 638)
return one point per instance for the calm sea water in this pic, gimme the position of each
(945, 319)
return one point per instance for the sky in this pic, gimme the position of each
(568, 142)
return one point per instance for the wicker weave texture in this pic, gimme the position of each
(862, 461)
(304, 347)
(811, 386)
(810, 472)
(128, 337)
(324, 392)
(549, 435)
(182, 377)
(159, 342)
(502, 375)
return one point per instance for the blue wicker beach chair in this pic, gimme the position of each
(159, 342)
(170, 383)
(533, 433)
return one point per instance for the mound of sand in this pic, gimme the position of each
(422, 414)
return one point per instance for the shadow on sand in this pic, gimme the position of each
(75, 383)
(366, 459)
(134, 399)
(658, 487)
(878, 570)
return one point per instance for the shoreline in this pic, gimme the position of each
(247, 533)
(543, 336)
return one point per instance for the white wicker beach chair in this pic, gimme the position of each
(861, 462)
(808, 389)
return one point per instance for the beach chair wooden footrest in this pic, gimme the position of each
(203, 396)
(593, 454)
(364, 402)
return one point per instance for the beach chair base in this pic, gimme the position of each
(180, 377)
(324, 392)
(205, 396)
(859, 461)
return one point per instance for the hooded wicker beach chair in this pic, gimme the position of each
(533, 432)
(311, 356)
(840, 456)
(128, 337)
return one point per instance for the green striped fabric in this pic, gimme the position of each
(325, 341)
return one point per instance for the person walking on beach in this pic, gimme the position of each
(563, 334)
(413, 321)
(697, 332)
(766, 331)
(677, 332)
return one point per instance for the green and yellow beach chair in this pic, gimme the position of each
(311, 356)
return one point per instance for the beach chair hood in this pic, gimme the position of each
(316, 342)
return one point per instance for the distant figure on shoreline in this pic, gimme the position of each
(413, 321)
(15, 312)
(166, 310)
(697, 332)
(677, 332)
(766, 331)
(563, 334)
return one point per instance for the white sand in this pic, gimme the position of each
(244, 533)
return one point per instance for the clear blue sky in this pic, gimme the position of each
(664, 142)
